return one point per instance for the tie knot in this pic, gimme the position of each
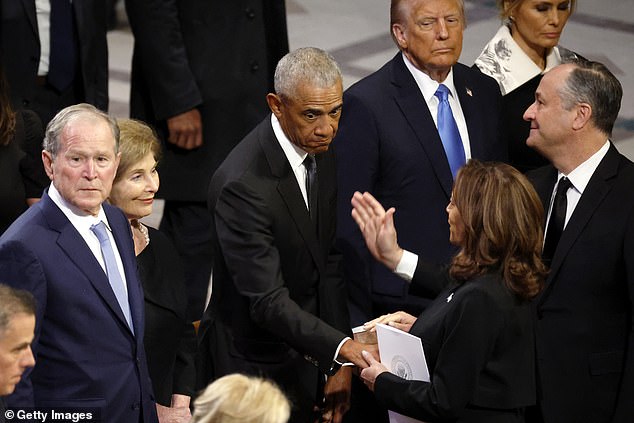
(310, 163)
(100, 230)
(442, 92)
(564, 185)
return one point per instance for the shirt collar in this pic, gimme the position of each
(294, 154)
(77, 220)
(581, 175)
(426, 85)
(505, 61)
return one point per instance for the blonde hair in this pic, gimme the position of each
(513, 5)
(136, 140)
(237, 398)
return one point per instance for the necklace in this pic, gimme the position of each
(143, 229)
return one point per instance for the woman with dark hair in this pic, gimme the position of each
(478, 333)
(23, 177)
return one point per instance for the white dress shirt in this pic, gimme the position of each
(82, 224)
(295, 157)
(428, 87)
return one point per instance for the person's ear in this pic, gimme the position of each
(47, 160)
(275, 104)
(398, 32)
(582, 116)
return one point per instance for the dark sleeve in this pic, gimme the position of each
(470, 330)
(184, 367)
(160, 51)
(428, 279)
(244, 224)
(29, 136)
(624, 406)
(357, 152)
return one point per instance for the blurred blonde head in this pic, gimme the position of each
(238, 398)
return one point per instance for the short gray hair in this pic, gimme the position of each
(593, 83)
(54, 129)
(305, 65)
(14, 301)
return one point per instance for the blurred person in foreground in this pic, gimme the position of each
(278, 307)
(238, 398)
(478, 334)
(170, 339)
(523, 49)
(17, 326)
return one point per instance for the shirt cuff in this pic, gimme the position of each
(407, 266)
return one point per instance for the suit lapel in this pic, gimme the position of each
(29, 7)
(596, 190)
(414, 107)
(471, 109)
(289, 190)
(78, 252)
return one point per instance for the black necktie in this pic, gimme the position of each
(312, 185)
(557, 220)
(61, 71)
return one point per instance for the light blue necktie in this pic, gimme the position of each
(114, 277)
(448, 130)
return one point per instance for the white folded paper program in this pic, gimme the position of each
(402, 353)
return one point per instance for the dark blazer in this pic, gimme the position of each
(388, 144)
(215, 55)
(170, 339)
(278, 306)
(585, 340)
(86, 355)
(20, 50)
(479, 347)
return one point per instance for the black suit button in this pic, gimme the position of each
(255, 66)
(25, 102)
(250, 13)
(136, 406)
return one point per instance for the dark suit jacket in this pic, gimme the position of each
(278, 300)
(388, 144)
(86, 355)
(585, 341)
(170, 339)
(216, 55)
(479, 348)
(20, 50)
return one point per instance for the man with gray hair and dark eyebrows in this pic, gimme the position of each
(584, 331)
(75, 254)
(278, 307)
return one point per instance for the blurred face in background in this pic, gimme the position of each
(134, 192)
